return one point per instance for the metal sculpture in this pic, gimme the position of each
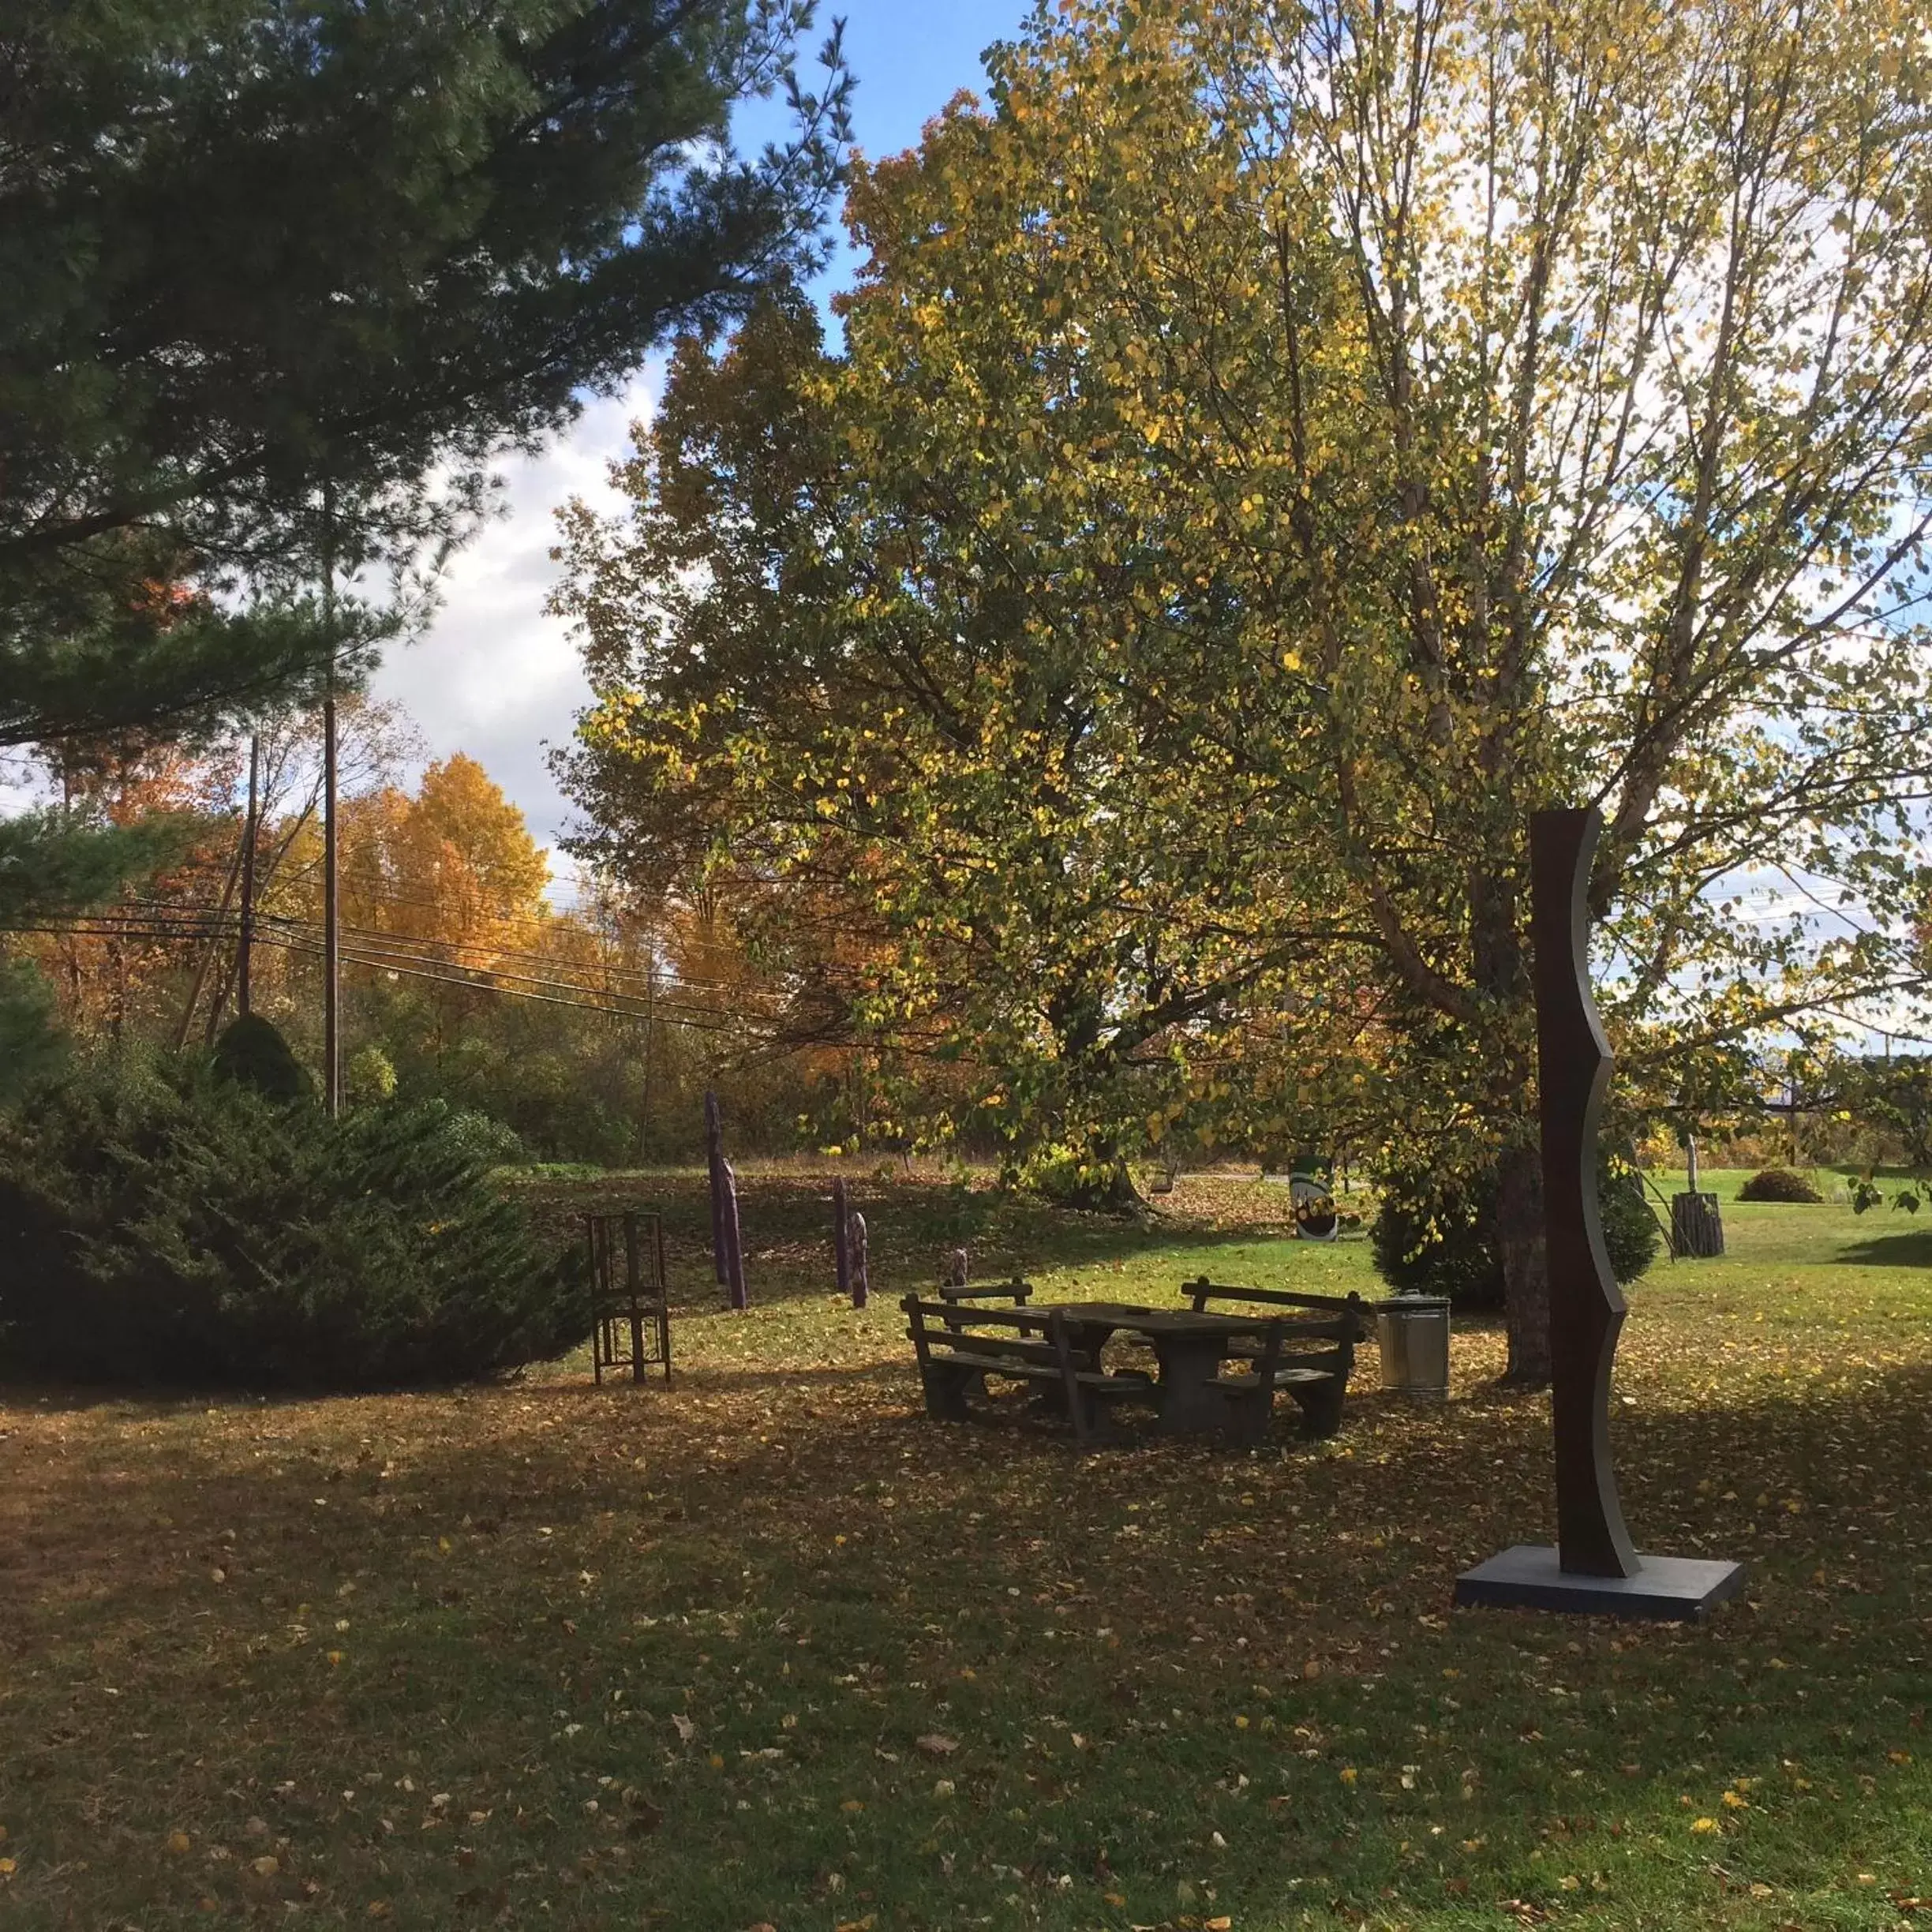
(1594, 1570)
(714, 1161)
(1586, 1308)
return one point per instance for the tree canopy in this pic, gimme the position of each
(1271, 453)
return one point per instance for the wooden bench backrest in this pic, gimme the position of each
(1016, 1291)
(948, 1324)
(1347, 1315)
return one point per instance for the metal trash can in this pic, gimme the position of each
(1413, 1331)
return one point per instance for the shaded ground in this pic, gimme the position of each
(772, 1649)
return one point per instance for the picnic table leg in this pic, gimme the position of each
(1320, 1406)
(1188, 1364)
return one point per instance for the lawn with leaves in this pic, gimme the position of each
(771, 1648)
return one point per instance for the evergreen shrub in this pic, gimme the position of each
(1778, 1184)
(1433, 1237)
(161, 1224)
(253, 1053)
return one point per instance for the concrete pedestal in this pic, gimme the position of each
(1670, 1589)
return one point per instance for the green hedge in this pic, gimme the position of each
(1433, 1238)
(164, 1224)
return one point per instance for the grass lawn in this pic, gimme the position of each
(770, 1648)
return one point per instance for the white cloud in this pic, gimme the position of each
(494, 677)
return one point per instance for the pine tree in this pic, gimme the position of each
(273, 267)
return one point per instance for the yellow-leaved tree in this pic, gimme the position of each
(1272, 451)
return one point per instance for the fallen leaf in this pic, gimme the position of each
(935, 1745)
(266, 1867)
(686, 1729)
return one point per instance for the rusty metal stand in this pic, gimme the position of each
(630, 1314)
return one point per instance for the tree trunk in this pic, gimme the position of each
(1525, 1266)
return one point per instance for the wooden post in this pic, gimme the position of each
(246, 952)
(841, 1236)
(632, 1290)
(332, 896)
(208, 958)
(855, 1237)
(734, 1250)
(714, 1154)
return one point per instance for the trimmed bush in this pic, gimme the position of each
(1779, 1183)
(165, 1225)
(1433, 1238)
(253, 1053)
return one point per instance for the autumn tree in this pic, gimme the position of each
(1273, 451)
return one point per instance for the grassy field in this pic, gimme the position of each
(771, 1649)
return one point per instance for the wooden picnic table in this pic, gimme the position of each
(1190, 1348)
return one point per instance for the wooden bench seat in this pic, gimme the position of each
(956, 1355)
(1308, 1356)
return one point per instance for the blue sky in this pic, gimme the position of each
(494, 677)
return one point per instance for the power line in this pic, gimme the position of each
(650, 975)
(376, 951)
(311, 947)
(297, 936)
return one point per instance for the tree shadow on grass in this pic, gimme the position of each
(1910, 1247)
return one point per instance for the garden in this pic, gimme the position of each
(769, 1647)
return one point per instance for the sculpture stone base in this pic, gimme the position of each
(1669, 1590)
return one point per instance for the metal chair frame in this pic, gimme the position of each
(629, 1300)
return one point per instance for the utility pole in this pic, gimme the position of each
(331, 936)
(244, 963)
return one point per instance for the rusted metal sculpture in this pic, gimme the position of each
(1586, 1307)
(1594, 1568)
(841, 1238)
(714, 1161)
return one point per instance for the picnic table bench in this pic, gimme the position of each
(957, 1354)
(1312, 1360)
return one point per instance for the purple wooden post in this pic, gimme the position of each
(855, 1237)
(734, 1252)
(841, 1248)
(714, 1154)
